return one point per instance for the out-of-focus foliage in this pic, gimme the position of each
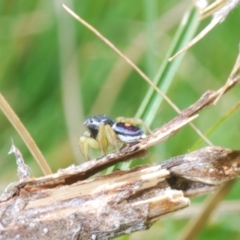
(48, 61)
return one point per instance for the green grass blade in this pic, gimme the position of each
(167, 70)
(215, 126)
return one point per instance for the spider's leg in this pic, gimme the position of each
(84, 143)
(102, 139)
(111, 137)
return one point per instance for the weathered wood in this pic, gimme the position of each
(68, 205)
(99, 208)
(115, 204)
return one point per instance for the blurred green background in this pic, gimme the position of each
(54, 73)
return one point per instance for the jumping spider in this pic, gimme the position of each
(104, 131)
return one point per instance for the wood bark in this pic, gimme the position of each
(108, 206)
(72, 204)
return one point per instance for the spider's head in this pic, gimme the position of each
(92, 123)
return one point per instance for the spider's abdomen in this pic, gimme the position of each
(128, 133)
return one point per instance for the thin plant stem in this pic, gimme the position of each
(138, 70)
(24, 134)
(115, 49)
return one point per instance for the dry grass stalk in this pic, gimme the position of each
(67, 205)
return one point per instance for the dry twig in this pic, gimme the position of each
(67, 205)
(219, 11)
(120, 203)
(22, 131)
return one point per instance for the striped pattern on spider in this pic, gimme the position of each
(104, 132)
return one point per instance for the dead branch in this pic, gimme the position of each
(67, 205)
(75, 173)
(102, 208)
(116, 204)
